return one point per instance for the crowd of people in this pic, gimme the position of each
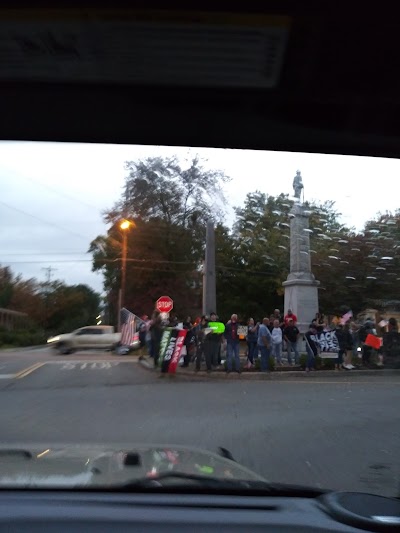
(271, 336)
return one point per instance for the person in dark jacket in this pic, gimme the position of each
(345, 340)
(232, 343)
(212, 343)
(365, 330)
(251, 339)
(156, 332)
(200, 337)
(311, 346)
(391, 344)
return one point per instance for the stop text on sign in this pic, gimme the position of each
(165, 304)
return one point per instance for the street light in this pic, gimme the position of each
(124, 226)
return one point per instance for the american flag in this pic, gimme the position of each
(128, 327)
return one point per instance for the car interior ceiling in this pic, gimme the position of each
(338, 92)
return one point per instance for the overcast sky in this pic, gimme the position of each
(52, 194)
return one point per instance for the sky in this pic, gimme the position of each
(52, 195)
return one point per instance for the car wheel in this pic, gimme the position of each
(63, 349)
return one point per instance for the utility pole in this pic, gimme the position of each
(48, 271)
(209, 282)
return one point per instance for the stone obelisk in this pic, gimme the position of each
(301, 287)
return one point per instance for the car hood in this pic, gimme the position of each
(50, 466)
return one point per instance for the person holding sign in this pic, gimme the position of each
(232, 344)
(212, 342)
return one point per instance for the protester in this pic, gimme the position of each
(143, 331)
(290, 316)
(319, 321)
(264, 344)
(190, 343)
(276, 342)
(365, 330)
(390, 350)
(156, 334)
(277, 316)
(251, 339)
(354, 334)
(200, 336)
(345, 354)
(232, 344)
(213, 343)
(311, 346)
(291, 335)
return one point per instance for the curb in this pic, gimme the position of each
(202, 375)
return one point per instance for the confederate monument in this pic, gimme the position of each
(301, 287)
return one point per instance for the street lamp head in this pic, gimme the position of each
(125, 224)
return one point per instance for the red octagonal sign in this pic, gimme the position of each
(165, 304)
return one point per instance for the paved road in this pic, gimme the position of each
(340, 432)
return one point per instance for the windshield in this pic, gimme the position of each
(158, 304)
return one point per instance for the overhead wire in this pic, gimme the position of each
(52, 224)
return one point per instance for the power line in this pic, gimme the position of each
(52, 224)
(59, 193)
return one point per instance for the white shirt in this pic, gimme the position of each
(276, 336)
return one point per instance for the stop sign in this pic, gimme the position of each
(165, 304)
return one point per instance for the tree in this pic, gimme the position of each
(253, 266)
(49, 306)
(170, 205)
(71, 306)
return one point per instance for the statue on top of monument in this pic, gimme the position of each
(298, 184)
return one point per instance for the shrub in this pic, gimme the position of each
(328, 364)
(22, 338)
(271, 364)
(303, 360)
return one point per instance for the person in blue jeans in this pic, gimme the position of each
(264, 344)
(252, 349)
(291, 335)
(232, 344)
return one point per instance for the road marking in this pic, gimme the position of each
(89, 365)
(28, 370)
(7, 376)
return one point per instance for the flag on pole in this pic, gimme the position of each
(128, 327)
(346, 317)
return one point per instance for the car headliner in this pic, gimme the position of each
(338, 92)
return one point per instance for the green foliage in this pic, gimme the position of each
(303, 360)
(54, 306)
(328, 364)
(253, 260)
(169, 204)
(21, 338)
(271, 364)
(70, 307)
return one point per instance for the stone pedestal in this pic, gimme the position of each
(301, 287)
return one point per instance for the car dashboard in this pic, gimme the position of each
(38, 511)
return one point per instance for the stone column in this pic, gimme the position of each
(301, 287)
(209, 281)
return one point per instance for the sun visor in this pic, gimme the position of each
(151, 47)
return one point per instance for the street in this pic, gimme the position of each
(339, 432)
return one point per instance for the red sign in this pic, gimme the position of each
(164, 304)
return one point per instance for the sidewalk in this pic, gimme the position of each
(251, 374)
